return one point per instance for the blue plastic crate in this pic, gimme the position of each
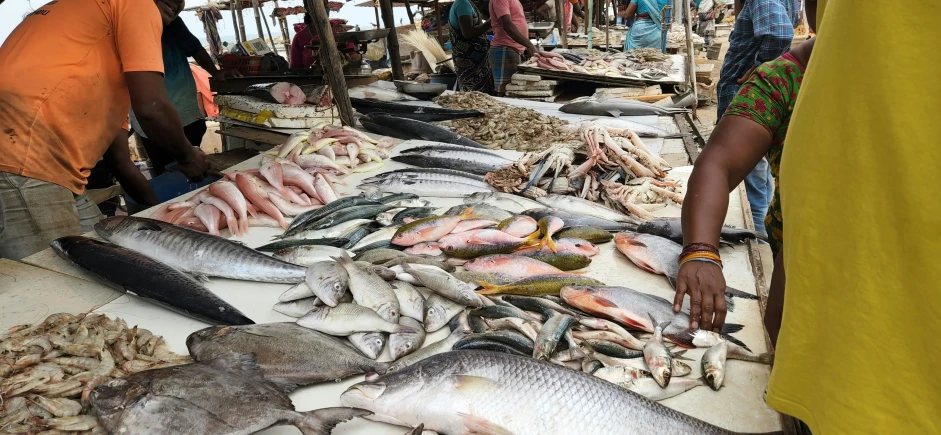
(167, 186)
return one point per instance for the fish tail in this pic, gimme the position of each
(343, 259)
(732, 339)
(488, 288)
(322, 421)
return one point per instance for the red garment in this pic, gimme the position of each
(202, 90)
(303, 57)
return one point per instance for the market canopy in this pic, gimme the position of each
(397, 4)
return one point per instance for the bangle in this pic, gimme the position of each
(695, 247)
(706, 260)
(700, 256)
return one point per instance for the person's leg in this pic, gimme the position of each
(496, 65)
(32, 214)
(759, 186)
(88, 213)
(195, 131)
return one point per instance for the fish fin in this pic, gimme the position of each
(343, 258)
(466, 383)
(236, 363)
(731, 328)
(681, 355)
(732, 339)
(615, 113)
(729, 303)
(682, 339)
(736, 293)
(284, 385)
(766, 358)
(479, 426)
(322, 421)
(488, 288)
(468, 213)
(604, 302)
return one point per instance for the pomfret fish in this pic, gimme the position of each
(196, 252)
(198, 398)
(147, 278)
(287, 354)
(488, 392)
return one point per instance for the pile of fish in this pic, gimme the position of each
(419, 113)
(280, 92)
(433, 156)
(503, 126)
(594, 62)
(301, 177)
(48, 370)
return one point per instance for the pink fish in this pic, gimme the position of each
(316, 161)
(324, 189)
(288, 208)
(160, 212)
(252, 188)
(193, 223)
(210, 217)
(473, 224)
(229, 192)
(426, 248)
(230, 220)
(263, 220)
(296, 176)
(519, 226)
(187, 213)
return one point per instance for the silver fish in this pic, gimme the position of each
(445, 285)
(368, 343)
(346, 319)
(427, 187)
(501, 393)
(196, 252)
(332, 232)
(295, 292)
(658, 358)
(308, 255)
(327, 280)
(438, 311)
(713, 365)
(583, 206)
(485, 211)
(641, 129)
(550, 334)
(298, 308)
(411, 301)
(432, 349)
(287, 354)
(649, 388)
(615, 108)
(367, 92)
(370, 290)
(405, 343)
(197, 398)
(376, 236)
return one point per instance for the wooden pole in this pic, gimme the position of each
(560, 22)
(393, 40)
(235, 22)
(286, 36)
(375, 6)
(261, 31)
(330, 59)
(408, 10)
(691, 62)
(238, 4)
(589, 18)
(438, 26)
(607, 26)
(258, 20)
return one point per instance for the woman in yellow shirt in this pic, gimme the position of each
(861, 168)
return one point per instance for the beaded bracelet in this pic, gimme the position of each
(695, 247)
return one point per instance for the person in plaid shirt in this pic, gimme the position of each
(763, 32)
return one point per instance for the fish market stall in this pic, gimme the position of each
(737, 406)
(633, 68)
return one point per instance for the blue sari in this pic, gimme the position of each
(646, 33)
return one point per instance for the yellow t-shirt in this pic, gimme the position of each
(860, 176)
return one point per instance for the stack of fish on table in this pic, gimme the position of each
(298, 176)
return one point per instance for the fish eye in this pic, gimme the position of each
(337, 286)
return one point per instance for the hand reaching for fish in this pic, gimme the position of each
(705, 285)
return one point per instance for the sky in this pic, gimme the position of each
(13, 11)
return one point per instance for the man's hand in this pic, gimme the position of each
(196, 166)
(223, 74)
(705, 285)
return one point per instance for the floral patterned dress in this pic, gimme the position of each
(768, 98)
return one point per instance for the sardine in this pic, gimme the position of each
(384, 234)
(500, 393)
(550, 334)
(287, 354)
(413, 213)
(349, 214)
(196, 252)
(284, 244)
(147, 278)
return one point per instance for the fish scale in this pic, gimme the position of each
(545, 399)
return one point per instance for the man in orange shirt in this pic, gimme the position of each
(71, 72)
